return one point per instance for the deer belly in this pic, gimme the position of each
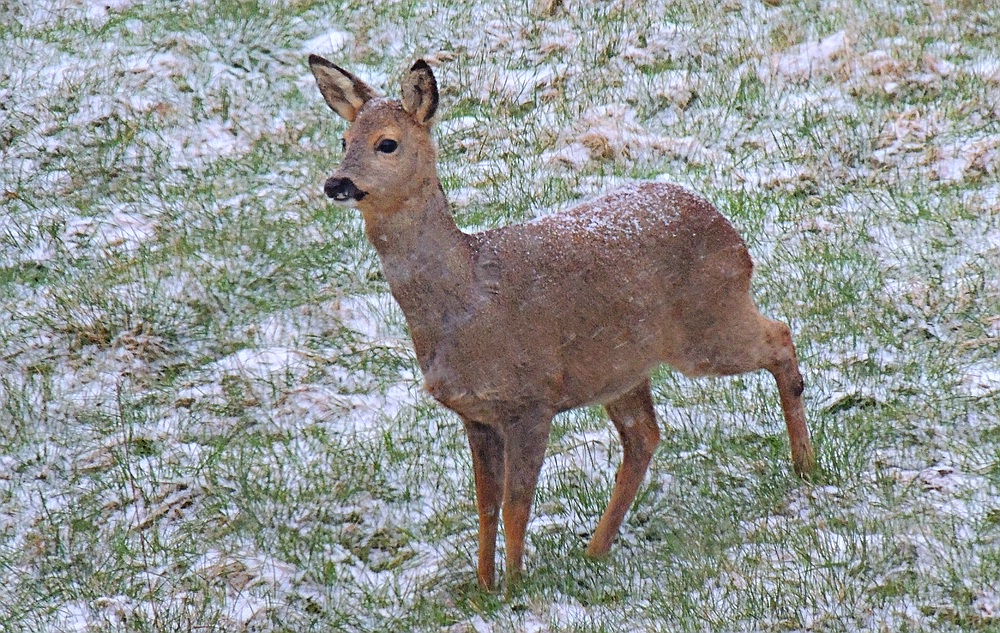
(606, 364)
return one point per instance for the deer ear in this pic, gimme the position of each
(342, 91)
(420, 92)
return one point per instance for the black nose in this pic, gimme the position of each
(343, 189)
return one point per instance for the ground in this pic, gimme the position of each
(211, 413)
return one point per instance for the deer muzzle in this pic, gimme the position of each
(343, 189)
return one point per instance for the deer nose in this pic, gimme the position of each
(342, 189)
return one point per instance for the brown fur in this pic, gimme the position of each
(513, 325)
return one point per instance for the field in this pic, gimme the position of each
(211, 418)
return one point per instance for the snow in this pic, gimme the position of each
(123, 230)
(981, 380)
(807, 59)
(574, 155)
(516, 86)
(329, 43)
(155, 466)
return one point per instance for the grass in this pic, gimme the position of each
(211, 417)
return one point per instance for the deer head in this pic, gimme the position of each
(389, 156)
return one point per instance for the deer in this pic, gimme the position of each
(513, 325)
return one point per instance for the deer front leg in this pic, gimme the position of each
(525, 440)
(635, 420)
(487, 447)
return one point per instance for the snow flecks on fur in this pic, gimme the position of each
(621, 214)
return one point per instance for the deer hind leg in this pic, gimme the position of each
(747, 341)
(633, 416)
(525, 440)
(783, 363)
(488, 465)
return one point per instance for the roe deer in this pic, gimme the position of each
(514, 325)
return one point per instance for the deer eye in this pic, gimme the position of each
(387, 146)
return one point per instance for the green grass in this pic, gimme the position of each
(210, 413)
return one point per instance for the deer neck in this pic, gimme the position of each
(428, 263)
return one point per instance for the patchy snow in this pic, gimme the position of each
(123, 230)
(958, 161)
(329, 43)
(574, 155)
(160, 387)
(986, 67)
(376, 317)
(803, 61)
(981, 380)
(613, 132)
(519, 87)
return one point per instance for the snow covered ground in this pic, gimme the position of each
(211, 417)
